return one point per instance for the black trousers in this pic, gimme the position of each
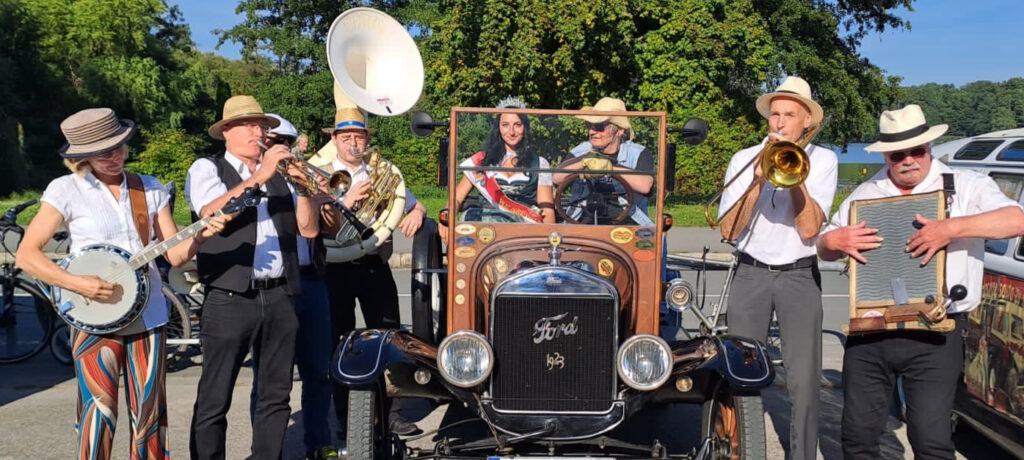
(930, 364)
(370, 281)
(265, 322)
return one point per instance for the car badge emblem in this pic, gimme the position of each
(605, 267)
(621, 235)
(500, 265)
(465, 252)
(486, 235)
(465, 229)
(552, 327)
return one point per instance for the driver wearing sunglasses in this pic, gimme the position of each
(609, 146)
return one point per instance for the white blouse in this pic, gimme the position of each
(93, 216)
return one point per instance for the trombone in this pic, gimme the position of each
(785, 164)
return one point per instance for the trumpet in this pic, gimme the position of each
(785, 164)
(338, 182)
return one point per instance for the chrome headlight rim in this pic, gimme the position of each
(679, 287)
(662, 344)
(485, 345)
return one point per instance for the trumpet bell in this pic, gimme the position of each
(339, 182)
(785, 164)
(375, 61)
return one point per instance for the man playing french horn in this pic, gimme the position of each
(369, 277)
(775, 231)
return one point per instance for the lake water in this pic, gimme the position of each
(855, 154)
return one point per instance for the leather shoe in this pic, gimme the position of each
(403, 427)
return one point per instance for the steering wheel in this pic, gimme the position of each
(591, 201)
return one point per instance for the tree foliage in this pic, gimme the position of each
(972, 109)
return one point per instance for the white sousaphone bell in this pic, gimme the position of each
(377, 68)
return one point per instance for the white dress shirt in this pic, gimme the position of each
(975, 193)
(203, 185)
(771, 236)
(93, 216)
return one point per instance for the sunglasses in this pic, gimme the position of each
(278, 140)
(899, 155)
(598, 126)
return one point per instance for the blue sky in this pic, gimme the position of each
(949, 41)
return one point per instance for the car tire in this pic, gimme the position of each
(735, 423)
(367, 436)
(429, 288)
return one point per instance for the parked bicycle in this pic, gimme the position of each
(710, 311)
(27, 319)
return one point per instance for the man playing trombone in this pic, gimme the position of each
(775, 229)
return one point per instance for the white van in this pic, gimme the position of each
(991, 398)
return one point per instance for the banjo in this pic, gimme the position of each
(128, 272)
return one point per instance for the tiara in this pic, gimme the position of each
(512, 102)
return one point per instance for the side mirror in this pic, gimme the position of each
(422, 126)
(693, 132)
(670, 167)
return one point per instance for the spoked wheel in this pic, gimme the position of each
(368, 435)
(429, 285)
(26, 321)
(179, 325)
(735, 424)
(60, 345)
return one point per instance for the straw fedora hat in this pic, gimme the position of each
(94, 132)
(348, 118)
(796, 88)
(609, 104)
(904, 128)
(240, 108)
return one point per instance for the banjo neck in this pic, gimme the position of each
(151, 252)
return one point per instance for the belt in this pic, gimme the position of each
(806, 262)
(267, 283)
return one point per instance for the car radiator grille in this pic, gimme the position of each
(570, 369)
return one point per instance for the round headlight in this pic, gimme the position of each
(679, 294)
(465, 359)
(644, 362)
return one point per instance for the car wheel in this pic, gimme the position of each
(367, 434)
(734, 422)
(429, 286)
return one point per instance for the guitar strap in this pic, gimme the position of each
(140, 213)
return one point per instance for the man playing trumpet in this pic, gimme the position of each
(775, 230)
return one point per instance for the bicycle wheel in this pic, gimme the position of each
(179, 325)
(60, 345)
(26, 323)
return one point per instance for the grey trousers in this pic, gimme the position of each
(795, 295)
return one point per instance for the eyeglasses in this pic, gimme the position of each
(351, 138)
(899, 155)
(598, 126)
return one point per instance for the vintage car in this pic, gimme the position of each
(547, 334)
(991, 398)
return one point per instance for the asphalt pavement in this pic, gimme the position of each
(37, 397)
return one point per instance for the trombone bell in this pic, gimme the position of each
(785, 164)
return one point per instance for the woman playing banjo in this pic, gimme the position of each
(96, 205)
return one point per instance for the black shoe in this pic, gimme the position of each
(403, 427)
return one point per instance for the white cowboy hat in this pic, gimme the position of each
(904, 128)
(94, 132)
(609, 104)
(793, 87)
(240, 108)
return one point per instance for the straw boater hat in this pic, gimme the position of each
(348, 118)
(793, 87)
(240, 108)
(904, 128)
(609, 104)
(94, 132)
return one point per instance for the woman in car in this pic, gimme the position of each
(528, 193)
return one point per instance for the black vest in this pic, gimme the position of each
(225, 260)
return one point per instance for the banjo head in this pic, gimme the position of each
(109, 263)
